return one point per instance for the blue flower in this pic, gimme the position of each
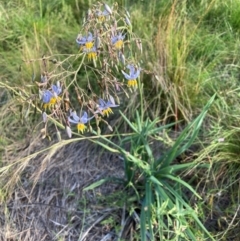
(132, 76)
(91, 53)
(105, 107)
(86, 41)
(117, 40)
(57, 89)
(80, 121)
(46, 96)
(49, 98)
(102, 14)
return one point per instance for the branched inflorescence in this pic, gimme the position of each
(106, 65)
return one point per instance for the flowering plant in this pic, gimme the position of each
(104, 41)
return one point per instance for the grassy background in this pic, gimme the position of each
(190, 52)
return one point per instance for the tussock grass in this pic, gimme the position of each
(190, 52)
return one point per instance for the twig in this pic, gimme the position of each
(88, 230)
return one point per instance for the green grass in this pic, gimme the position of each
(190, 53)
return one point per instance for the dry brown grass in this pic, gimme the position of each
(48, 202)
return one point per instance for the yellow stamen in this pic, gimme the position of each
(52, 102)
(89, 45)
(132, 83)
(101, 18)
(92, 56)
(118, 44)
(107, 112)
(45, 106)
(81, 127)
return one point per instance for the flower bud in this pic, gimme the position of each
(107, 8)
(44, 116)
(69, 131)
